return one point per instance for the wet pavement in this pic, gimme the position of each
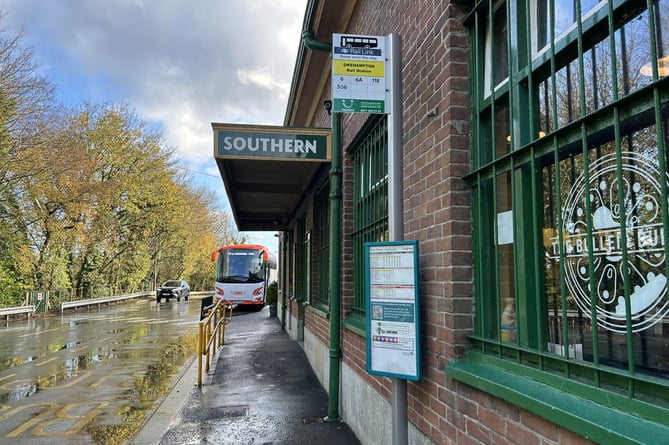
(90, 376)
(260, 390)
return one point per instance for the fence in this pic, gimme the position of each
(211, 334)
(99, 301)
(106, 300)
(7, 311)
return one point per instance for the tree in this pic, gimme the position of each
(226, 229)
(90, 197)
(26, 99)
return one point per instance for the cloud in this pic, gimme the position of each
(181, 64)
(262, 78)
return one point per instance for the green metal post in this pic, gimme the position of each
(284, 287)
(335, 268)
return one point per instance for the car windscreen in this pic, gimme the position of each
(172, 283)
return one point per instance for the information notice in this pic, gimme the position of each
(393, 340)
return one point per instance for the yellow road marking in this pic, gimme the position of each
(33, 421)
(7, 377)
(63, 415)
(47, 361)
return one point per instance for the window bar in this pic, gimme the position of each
(586, 175)
(576, 9)
(657, 48)
(475, 61)
(595, 81)
(621, 199)
(558, 178)
(538, 257)
(493, 148)
(497, 293)
(478, 246)
(624, 64)
(625, 259)
(660, 130)
(547, 104)
(536, 176)
(493, 98)
(581, 65)
(612, 49)
(552, 325)
(477, 162)
(560, 234)
(514, 216)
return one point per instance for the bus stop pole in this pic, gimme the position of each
(396, 210)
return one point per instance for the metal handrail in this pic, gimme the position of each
(7, 311)
(211, 335)
(101, 300)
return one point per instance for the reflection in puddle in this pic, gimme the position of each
(128, 361)
(11, 362)
(21, 388)
(148, 387)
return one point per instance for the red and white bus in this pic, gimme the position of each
(242, 273)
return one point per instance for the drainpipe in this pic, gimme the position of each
(335, 237)
(335, 268)
(284, 280)
(311, 43)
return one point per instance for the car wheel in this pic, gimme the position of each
(178, 298)
(158, 299)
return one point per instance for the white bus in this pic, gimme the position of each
(243, 273)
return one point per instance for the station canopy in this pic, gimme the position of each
(267, 170)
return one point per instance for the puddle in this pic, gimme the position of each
(147, 388)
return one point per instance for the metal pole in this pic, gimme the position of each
(199, 354)
(396, 209)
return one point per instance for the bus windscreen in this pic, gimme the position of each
(240, 266)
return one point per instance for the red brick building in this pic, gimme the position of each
(534, 180)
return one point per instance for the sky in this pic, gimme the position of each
(179, 64)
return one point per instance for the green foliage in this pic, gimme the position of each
(272, 294)
(91, 201)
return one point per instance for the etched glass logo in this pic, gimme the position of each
(641, 211)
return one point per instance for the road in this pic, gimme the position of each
(91, 377)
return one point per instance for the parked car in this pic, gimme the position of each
(173, 289)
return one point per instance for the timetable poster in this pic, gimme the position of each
(393, 339)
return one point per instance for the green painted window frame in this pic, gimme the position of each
(304, 237)
(519, 130)
(369, 153)
(322, 248)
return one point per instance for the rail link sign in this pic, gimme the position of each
(271, 142)
(359, 80)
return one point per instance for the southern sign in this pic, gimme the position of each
(359, 81)
(393, 313)
(271, 142)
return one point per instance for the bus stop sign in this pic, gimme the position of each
(359, 81)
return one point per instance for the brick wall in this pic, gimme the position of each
(436, 199)
(437, 213)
